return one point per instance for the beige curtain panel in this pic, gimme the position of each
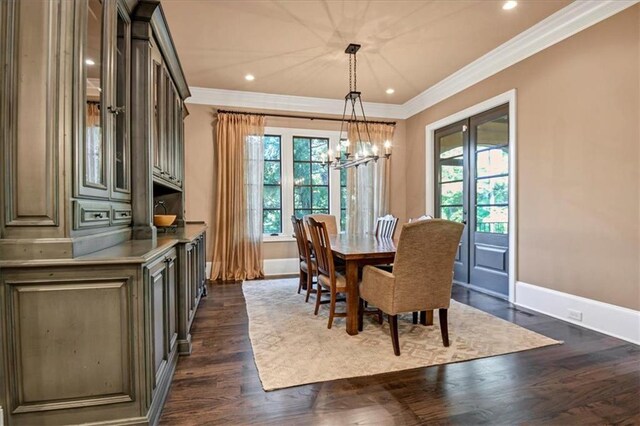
(237, 230)
(368, 186)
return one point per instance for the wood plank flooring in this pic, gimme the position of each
(591, 379)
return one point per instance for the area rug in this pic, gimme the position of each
(292, 347)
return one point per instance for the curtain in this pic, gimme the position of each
(368, 186)
(93, 144)
(237, 230)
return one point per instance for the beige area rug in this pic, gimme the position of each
(286, 336)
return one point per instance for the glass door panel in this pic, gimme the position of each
(122, 147)
(94, 63)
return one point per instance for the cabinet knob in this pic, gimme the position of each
(98, 215)
(115, 110)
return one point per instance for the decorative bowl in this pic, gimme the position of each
(163, 220)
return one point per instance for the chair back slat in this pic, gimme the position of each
(300, 233)
(322, 247)
(386, 226)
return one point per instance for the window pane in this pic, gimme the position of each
(343, 219)
(494, 132)
(301, 149)
(272, 172)
(493, 219)
(493, 162)
(301, 213)
(343, 177)
(302, 197)
(492, 190)
(451, 213)
(451, 169)
(319, 174)
(321, 197)
(271, 197)
(320, 211)
(451, 145)
(271, 222)
(451, 193)
(271, 147)
(319, 148)
(343, 197)
(301, 173)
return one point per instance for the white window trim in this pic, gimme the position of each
(286, 159)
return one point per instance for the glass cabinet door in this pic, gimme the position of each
(120, 111)
(158, 128)
(92, 154)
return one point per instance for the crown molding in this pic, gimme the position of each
(241, 99)
(566, 22)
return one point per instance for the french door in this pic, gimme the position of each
(472, 187)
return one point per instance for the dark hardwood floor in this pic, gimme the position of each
(590, 379)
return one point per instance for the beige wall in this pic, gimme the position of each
(199, 172)
(578, 156)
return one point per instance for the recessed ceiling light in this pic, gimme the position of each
(249, 77)
(390, 91)
(508, 5)
(89, 62)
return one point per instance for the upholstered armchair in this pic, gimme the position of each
(422, 275)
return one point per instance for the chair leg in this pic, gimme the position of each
(444, 326)
(415, 317)
(309, 286)
(366, 304)
(426, 317)
(393, 326)
(332, 308)
(318, 297)
(300, 281)
(380, 316)
(360, 314)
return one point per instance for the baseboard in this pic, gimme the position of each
(281, 266)
(616, 321)
(208, 270)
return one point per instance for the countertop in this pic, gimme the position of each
(132, 251)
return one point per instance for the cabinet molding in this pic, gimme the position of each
(31, 111)
(79, 323)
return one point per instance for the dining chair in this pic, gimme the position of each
(423, 217)
(422, 275)
(328, 219)
(307, 263)
(327, 275)
(386, 226)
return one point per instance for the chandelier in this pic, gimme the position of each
(344, 158)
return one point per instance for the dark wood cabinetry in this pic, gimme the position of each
(96, 305)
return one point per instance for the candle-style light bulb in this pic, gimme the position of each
(347, 148)
(387, 147)
(375, 150)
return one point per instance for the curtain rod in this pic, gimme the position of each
(303, 117)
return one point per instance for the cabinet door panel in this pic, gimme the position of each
(158, 317)
(172, 282)
(158, 124)
(122, 70)
(92, 165)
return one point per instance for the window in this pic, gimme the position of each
(343, 191)
(272, 187)
(295, 180)
(310, 176)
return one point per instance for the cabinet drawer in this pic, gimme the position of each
(91, 215)
(121, 215)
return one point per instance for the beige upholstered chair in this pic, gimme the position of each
(386, 226)
(328, 277)
(422, 275)
(307, 263)
(328, 219)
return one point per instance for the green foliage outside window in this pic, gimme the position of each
(310, 177)
(272, 190)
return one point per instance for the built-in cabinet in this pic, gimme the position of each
(102, 141)
(96, 306)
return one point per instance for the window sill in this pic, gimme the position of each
(278, 239)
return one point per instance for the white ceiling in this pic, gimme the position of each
(297, 47)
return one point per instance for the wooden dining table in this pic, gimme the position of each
(357, 251)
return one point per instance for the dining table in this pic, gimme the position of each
(357, 251)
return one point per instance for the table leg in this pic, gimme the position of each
(353, 296)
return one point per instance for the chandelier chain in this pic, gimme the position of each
(355, 73)
(350, 83)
